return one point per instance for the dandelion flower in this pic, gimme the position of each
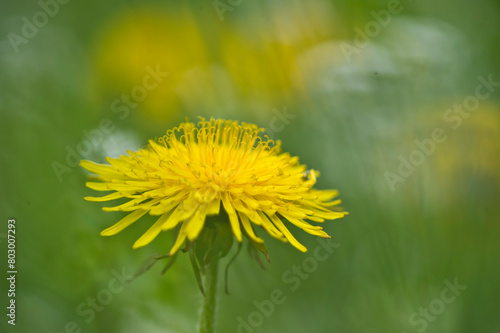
(196, 171)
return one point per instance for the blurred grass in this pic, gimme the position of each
(352, 121)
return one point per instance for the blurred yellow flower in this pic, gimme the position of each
(238, 66)
(155, 37)
(260, 71)
(261, 58)
(187, 175)
(477, 150)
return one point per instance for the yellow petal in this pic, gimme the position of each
(233, 218)
(123, 223)
(329, 215)
(128, 206)
(181, 237)
(248, 228)
(214, 207)
(195, 224)
(112, 196)
(179, 214)
(277, 222)
(269, 227)
(152, 232)
(170, 203)
(121, 187)
(101, 169)
(310, 229)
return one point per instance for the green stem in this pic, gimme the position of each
(209, 302)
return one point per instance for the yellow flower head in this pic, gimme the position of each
(188, 174)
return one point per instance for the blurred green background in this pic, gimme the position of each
(351, 104)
